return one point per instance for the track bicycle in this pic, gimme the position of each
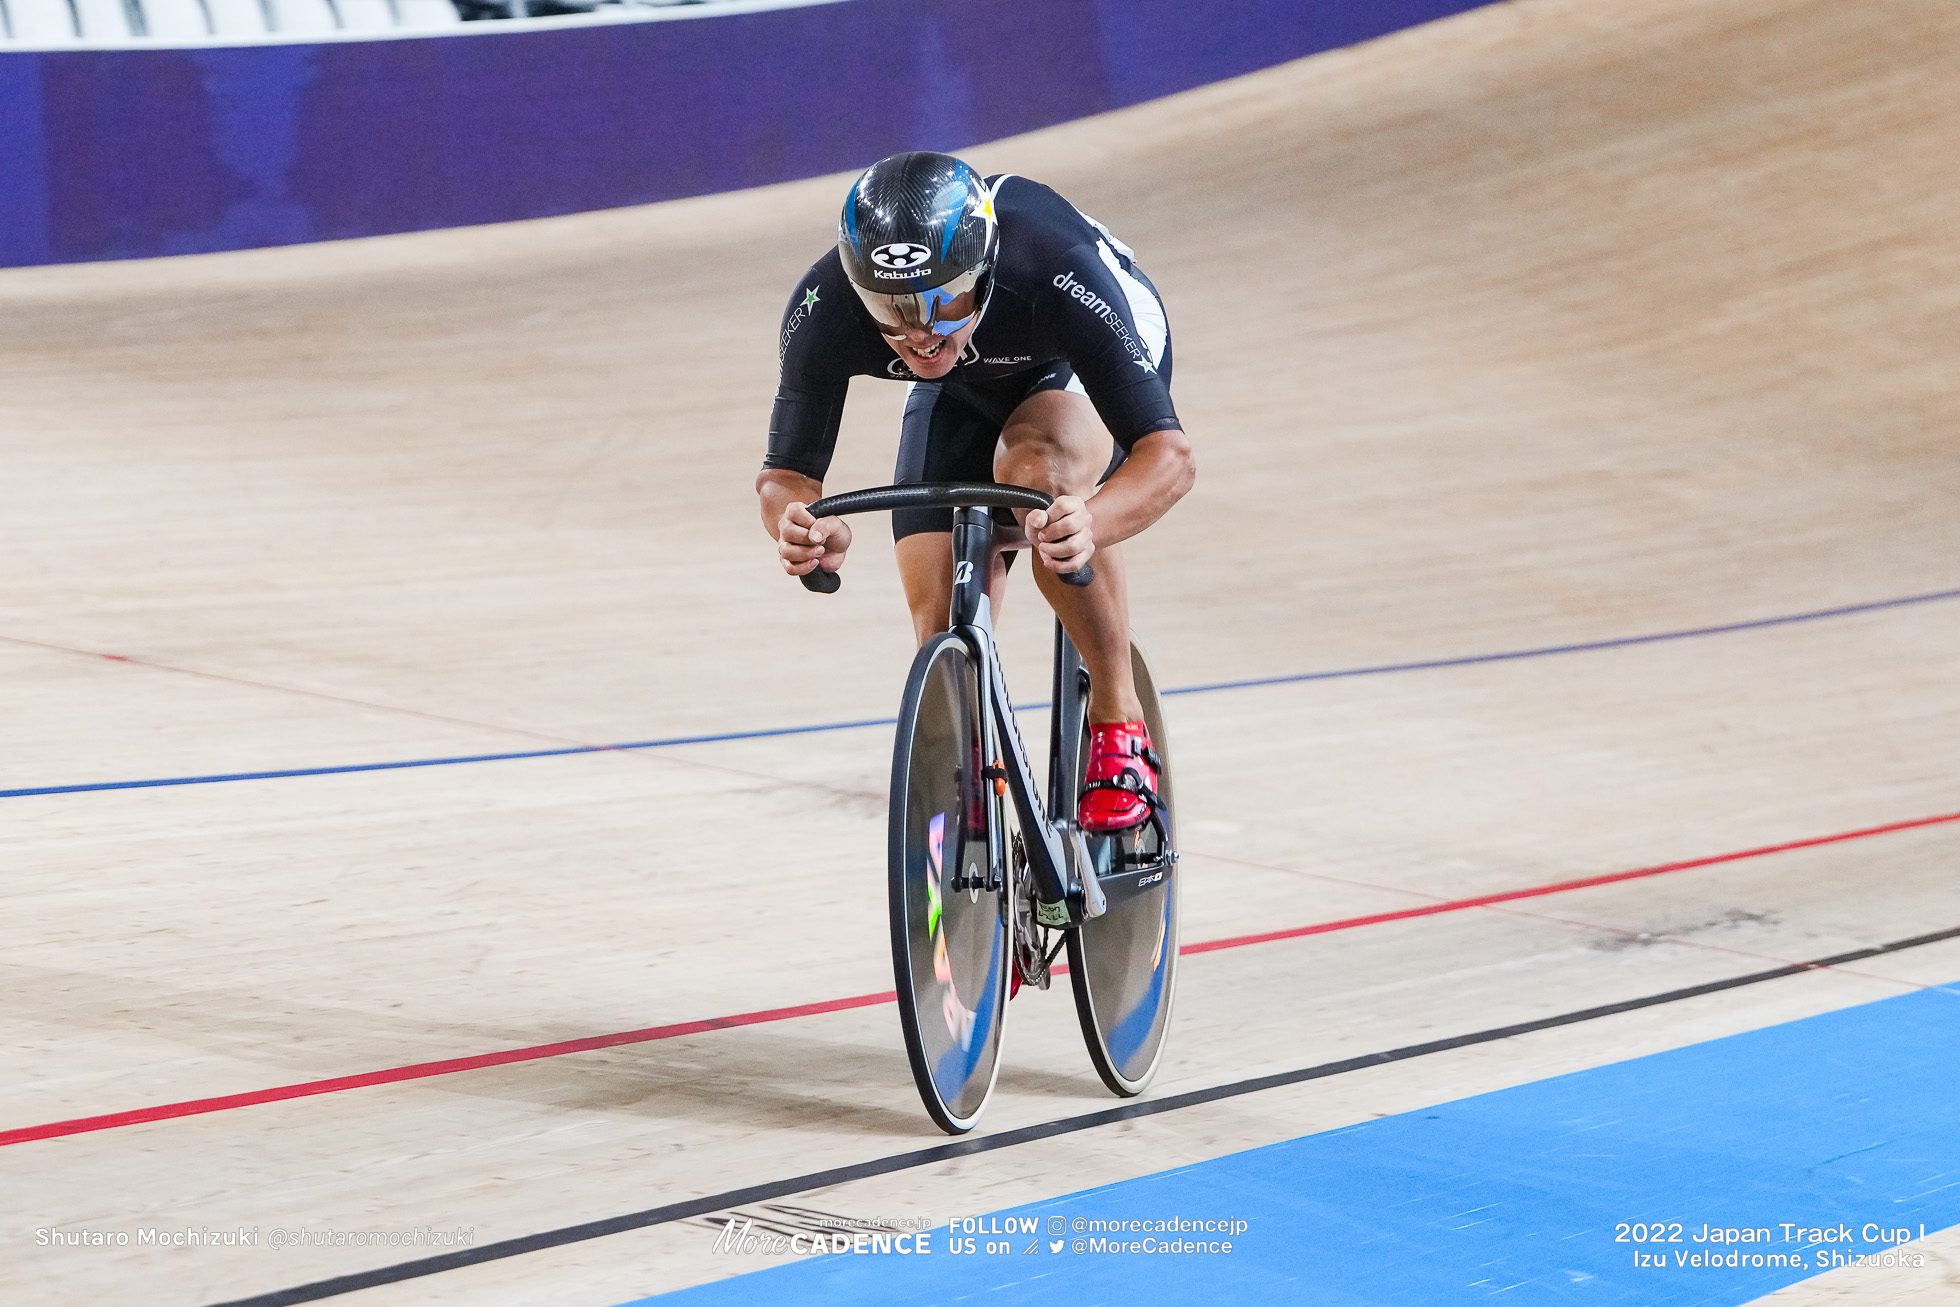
(989, 882)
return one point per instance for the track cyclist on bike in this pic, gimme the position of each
(1030, 337)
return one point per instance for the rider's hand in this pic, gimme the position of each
(1063, 534)
(805, 543)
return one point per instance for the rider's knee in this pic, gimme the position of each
(1046, 460)
(1025, 451)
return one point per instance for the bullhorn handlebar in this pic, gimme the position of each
(929, 494)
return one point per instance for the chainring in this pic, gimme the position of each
(1032, 955)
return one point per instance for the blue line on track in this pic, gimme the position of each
(1590, 646)
(1799, 1147)
(1298, 677)
(566, 752)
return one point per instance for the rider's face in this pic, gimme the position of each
(928, 355)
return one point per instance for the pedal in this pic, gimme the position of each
(1134, 864)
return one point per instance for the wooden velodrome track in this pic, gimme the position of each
(1558, 323)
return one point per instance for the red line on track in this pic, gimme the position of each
(449, 1066)
(422, 1070)
(1559, 887)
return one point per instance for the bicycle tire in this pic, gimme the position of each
(1123, 964)
(950, 895)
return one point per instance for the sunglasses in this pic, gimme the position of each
(941, 310)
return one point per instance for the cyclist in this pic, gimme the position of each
(1030, 338)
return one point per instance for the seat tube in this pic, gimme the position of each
(1064, 726)
(973, 539)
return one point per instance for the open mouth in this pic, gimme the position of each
(933, 353)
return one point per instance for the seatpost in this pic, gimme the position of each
(973, 541)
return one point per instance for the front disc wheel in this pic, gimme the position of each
(951, 902)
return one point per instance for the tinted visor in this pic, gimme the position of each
(941, 310)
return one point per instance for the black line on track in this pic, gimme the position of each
(946, 1152)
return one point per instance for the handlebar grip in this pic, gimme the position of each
(1082, 575)
(820, 581)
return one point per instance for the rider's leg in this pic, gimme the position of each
(949, 434)
(925, 565)
(1055, 442)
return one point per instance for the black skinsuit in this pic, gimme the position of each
(1069, 309)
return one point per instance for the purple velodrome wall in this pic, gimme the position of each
(127, 153)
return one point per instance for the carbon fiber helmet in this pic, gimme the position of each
(917, 239)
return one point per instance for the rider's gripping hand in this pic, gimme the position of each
(1063, 534)
(805, 543)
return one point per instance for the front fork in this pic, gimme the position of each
(1067, 892)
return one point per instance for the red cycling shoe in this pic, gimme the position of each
(1121, 790)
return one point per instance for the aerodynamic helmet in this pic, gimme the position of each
(918, 239)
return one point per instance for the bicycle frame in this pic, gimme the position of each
(1057, 867)
(1069, 892)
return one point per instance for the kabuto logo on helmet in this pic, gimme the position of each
(900, 254)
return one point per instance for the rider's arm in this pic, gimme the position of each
(803, 425)
(1093, 323)
(1087, 317)
(802, 542)
(802, 433)
(1158, 473)
(778, 488)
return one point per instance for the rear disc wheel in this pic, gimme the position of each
(1123, 964)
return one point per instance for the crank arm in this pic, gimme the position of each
(1089, 891)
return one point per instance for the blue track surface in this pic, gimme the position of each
(1844, 1123)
